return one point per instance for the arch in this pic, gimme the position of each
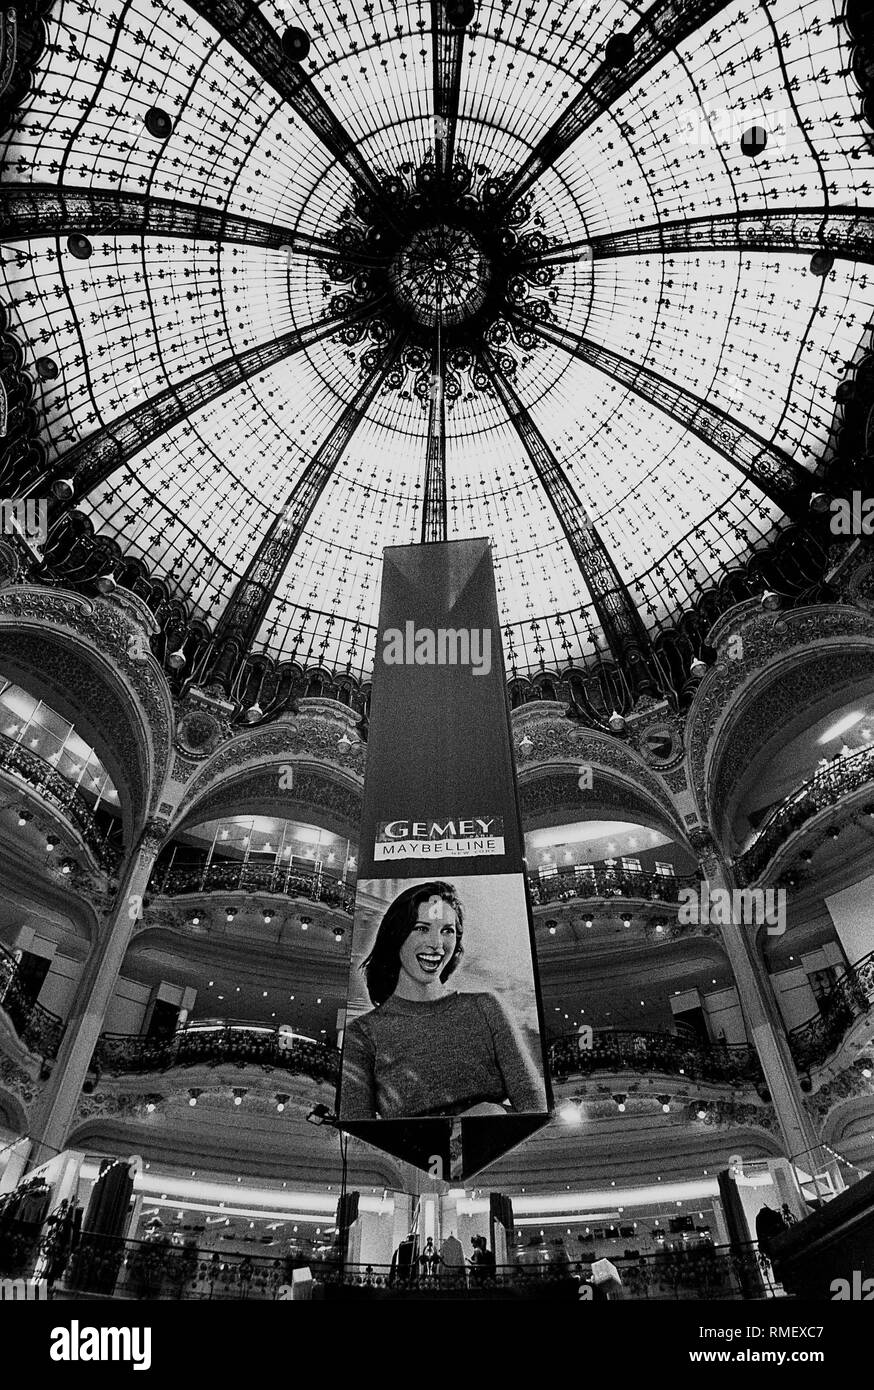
(74, 653)
(789, 668)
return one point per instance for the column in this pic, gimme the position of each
(763, 1020)
(55, 1108)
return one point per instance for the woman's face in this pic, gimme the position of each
(431, 943)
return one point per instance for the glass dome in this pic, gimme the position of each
(579, 319)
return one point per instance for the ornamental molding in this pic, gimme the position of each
(847, 1085)
(308, 741)
(115, 632)
(549, 770)
(729, 719)
(19, 1083)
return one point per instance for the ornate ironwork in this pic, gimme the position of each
(847, 233)
(617, 1050)
(58, 791)
(566, 885)
(665, 25)
(850, 998)
(91, 462)
(29, 210)
(620, 621)
(204, 1045)
(286, 881)
(827, 787)
(38, 1028)
(774, 472)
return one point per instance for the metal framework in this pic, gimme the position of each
(620, 621)
(655, 36)
(242, 25)
(434, 501)
(846, 232)
(91, 462)
(30, 211)
(447, 44)
(248, 604)
(774, 472)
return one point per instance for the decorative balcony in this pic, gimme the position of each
(615, 1050)
(827, 787)
(811, 1043)
(65, 796)
(37, 1028)
(208, 1044)
(163, 1269)
(240, 877)
(565, 885)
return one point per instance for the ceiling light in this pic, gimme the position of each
(24, 817)
(106, 583)
(62, 489)
(571, 1114)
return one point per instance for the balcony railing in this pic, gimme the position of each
(617, 1050)
(203, 1044)
(53, 787)
(852, 996)
(567, 884)
(39, 1029)
(254, 878)
(825, 788)
(160, 1269)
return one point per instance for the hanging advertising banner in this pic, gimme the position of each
(443, 1059)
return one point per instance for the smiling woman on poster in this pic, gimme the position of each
(425, 1050)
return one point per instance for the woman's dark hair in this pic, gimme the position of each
(383, 966)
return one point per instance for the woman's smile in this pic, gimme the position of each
(428, 949)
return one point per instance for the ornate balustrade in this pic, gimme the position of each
(567, 884)
(852, 997)
(615, 1050)
(55, 788)
(174, 1268)
(825, 788)
(254, 878)
(38, 1028)
(202, 1044)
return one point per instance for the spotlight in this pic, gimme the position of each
(194, 1095)
(194, 920)
(588, 921)
(865, 1066)
(47, 368)
(344, 742)
(525, 745)
(230, 913)
(176, 660)
(571, 1114)
(24, 817)
(626, 921)
(821, 263)
(62, 489)
(660, 926)
(619, 50)
(295, 44)
(833, 832)
(620, 1099)
(106, 584)
(769, 601)
(79, 246)
(304, 923)
(281, 1101)
(239, 1092)
(819, 502)
(552, 927)
(616, 722)
(459, 13)
(252, 714)
(702, 1113)
(158, 123)
(268, 914)
(68, 866)
(339, 933)
(698, 669)
(665, 1103)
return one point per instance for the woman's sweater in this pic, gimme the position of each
(408, 1058)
